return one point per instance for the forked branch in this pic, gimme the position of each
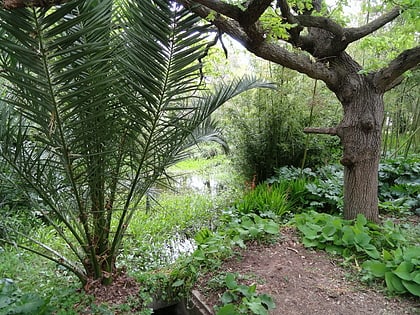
(390, 76)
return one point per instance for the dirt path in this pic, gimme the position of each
(304, 281)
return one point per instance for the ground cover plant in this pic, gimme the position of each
(381, 250)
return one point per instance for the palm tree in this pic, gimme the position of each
(108, 95)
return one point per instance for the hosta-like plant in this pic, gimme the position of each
(104, 95)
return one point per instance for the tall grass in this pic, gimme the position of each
(280, 198)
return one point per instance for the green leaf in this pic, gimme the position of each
(393, 283)
(254, 231)
(375, 267)
(412, 287)
(328, 232)
(361, 220)
(362, 239)
(228, 297)
(387, 256)
(256, 307)
(404, 270)
(230, 281)
(178, 283)
(268, 301)
(310, 243)
(371, 251)
(251, 290)
(411, 253)
(228, 309)
(271, 227)
(310, 231)
(416, 276)
(348, 235)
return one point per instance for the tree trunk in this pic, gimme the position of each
(360, 133)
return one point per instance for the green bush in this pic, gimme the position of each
(266, 132)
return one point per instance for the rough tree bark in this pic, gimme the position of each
(361, 95)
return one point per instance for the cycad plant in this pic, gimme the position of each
(108, 94)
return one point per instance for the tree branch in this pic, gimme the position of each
(321, 130)
(390, 76)
(16, 4)
(253, 39)
(224, 8)
(291, 19)
(253, 11)
(321, 22)
(356, 33)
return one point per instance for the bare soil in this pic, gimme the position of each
(304, 281)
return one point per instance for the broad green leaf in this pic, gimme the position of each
(416, 276)
(393, 283)
(411, 253)
(268, 301)
(328, 232)
(271, 227)
(230, 281)
(228, 297)
(310, 243)
(375, 267)
(412, 287)
(254, 231)
(228, 309)
(361, 220)
(256, 307)
(348, 235)
(371, 251)
(362, 239)
(404, 270)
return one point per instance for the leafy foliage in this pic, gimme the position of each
(14, 302)
(266, 129)
(215, 246)
(384, 251)
(400, 268)
(335, 235)
(242, 299)
(323, 190)
(399, 187)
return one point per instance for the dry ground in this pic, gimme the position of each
(304, 281)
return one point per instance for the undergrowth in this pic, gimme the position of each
(382, 251)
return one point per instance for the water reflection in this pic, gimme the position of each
(199, 183)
